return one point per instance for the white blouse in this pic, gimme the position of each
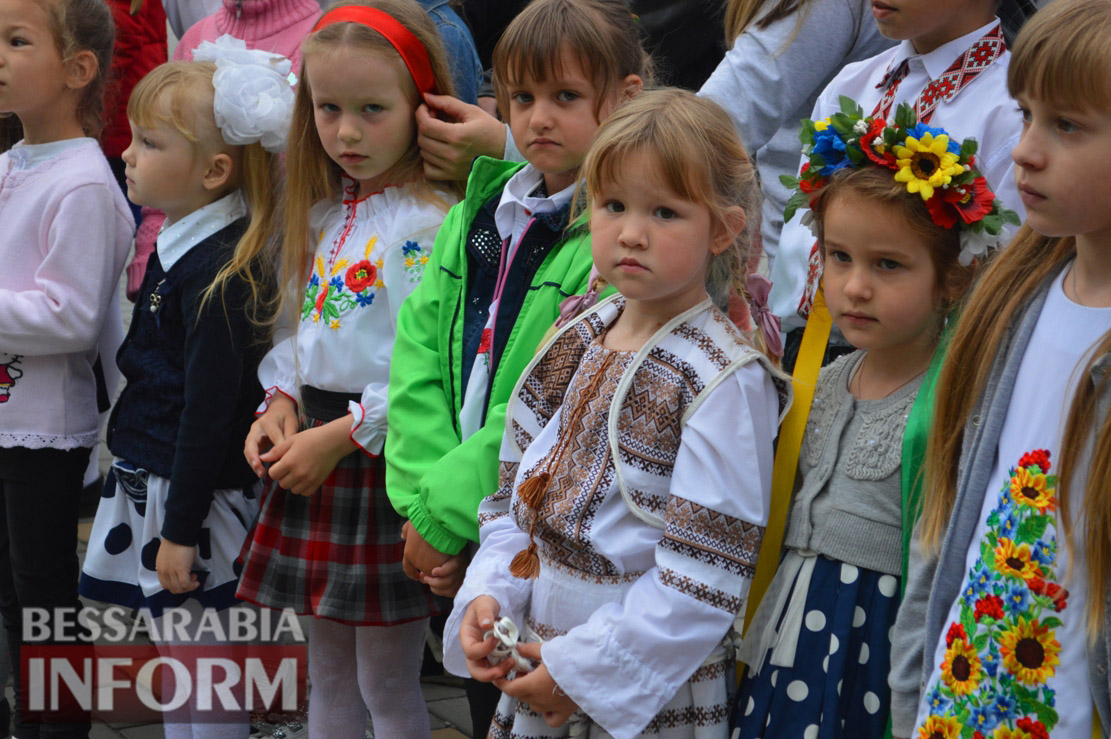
(370, 256)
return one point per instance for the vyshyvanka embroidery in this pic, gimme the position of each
(1001, 653)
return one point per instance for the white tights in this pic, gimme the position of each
(354, 669)
(236, 726)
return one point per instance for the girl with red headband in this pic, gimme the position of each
(357, 227)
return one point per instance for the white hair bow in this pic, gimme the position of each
(254, 93)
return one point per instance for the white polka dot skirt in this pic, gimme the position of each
(123, 545)
(837, 687)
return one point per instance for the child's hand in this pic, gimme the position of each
(538, 689)
(446, 579)
(174, 565)
(277, 424)
(420, 557)
(479, 619)
(303, 461)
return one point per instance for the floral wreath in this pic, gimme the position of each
(931, 164)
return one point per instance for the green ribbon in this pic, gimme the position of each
(914, 444)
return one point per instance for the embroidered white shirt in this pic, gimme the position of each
(1049, 664)
(622, 645)
(370, 256)
(983, 110)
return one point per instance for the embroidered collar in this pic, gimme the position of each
(176, 239)
(946, 85)
(940, 59)
(520, 196)
(28, 156)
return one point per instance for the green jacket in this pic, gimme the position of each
(434, 479)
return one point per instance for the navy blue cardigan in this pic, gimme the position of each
(192, 386)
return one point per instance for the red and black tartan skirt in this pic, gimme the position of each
(335, 554)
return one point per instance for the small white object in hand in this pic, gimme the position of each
(505, 635)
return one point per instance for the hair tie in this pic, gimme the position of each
(410, 48)
(253, 100)
(759, 288)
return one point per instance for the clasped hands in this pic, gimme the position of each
(537, 689)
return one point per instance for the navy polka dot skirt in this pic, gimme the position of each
(838, 684)
(123, 546)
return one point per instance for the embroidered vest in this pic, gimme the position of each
(668, 379)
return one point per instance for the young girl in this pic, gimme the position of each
(65, 236)
(631, 523)
(176, 506)
(1005, 623)
(327, 541)
(894, 205)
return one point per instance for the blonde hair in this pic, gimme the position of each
(312, 175)
(180, 94)
(85, 25)
(1061, 55)
(601, 34)
(877, 185)
(698, 155)
(740, 14)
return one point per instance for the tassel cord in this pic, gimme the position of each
(533, 491)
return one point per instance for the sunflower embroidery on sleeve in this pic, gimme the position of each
(1001, 654)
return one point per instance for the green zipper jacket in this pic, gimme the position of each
(432, 477)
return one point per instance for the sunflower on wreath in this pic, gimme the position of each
(925, 159)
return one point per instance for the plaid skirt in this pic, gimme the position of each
(335, 554)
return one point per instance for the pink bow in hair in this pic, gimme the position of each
(759, 287)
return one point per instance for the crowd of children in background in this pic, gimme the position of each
(405, 367)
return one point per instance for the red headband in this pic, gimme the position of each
(412, 51)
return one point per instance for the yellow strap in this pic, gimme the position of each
(814, 341)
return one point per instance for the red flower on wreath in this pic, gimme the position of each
(809, 185)
(1033, 727)
(989, 605)
(956, 631)
(968, 203)
(875, 148)
(360, 276)
(1038, 457)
